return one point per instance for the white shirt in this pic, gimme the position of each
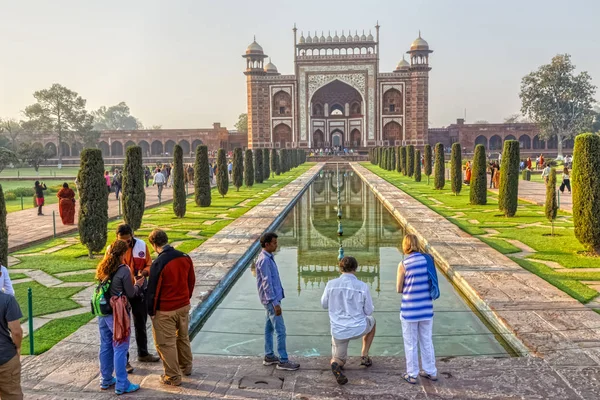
(5, 283)
(349, 302)
(159, 177)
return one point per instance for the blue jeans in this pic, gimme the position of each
(275, 324)
(113, 357)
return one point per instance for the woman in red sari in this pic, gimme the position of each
(66, 204)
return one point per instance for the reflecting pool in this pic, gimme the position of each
(307, 258)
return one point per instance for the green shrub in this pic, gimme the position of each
(3, 231)
(410, 160)
(248, 169)
(417, 166)
(238, 168)
(456, 176)
(586, 190)
(393, 158)
(428, 160)
(133, 188)
(398, 165)
(439, 170)
(93, 201)
(10, 196)
(222, 173)
(266, 165)
(403, 160)
(551, 205)
(23, 191)
(509, 178)
(202, 190)
(526, 175)
(275, 167)
(258, 166)
(179, 195)
(285, 160)
(478, 193)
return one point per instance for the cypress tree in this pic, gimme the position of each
(393, 154)
(428, 160)
(478, 193)
(586, 191)
(509, 178)
(384, 158)
(439, 169)
(179, 196)
(222, 174)
(294, 158)
(403, 160)
(285, 161)
(266, 165)
(551, 205)
(275, 167)
(456, 169)
(380, 157)
(93, 201)
(238, 168)
(248, 169)
(134, 194)
(526, 175)
(418, 166)
(410, 160)
(258, 166)
(3, 231)
(202, 192)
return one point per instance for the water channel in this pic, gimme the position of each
(307, 259)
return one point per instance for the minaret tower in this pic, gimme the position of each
(254, 69)
(418, 120)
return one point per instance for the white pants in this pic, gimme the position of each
(418, 335)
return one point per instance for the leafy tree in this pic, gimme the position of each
(559, 101)
(551, 205)
(478, 193)
(439, 169)
(403, 160)
(275, 164)
(242, 124)
(456, 169)
(222, 174)
(115, 118)
(179, 196)
(202, 190)
(596, 123)
(134, 194)
(258, 166)
(417, 165)
(13, 131)
(509, 178)
(248, 169)
(33, 154)
(3, 231)
(586, 191)
(410, 160)
(59, 111)
(7, 157)
(428, 160)
(154, 127)
(93, 201)
(266, 165)
(238, 168)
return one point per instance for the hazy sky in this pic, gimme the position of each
(178, 63)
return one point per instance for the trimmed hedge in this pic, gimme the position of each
(439, 170)
(393, 158)
(3, 231)
(248, 169)
(258, 166)
(410, 160)
(222, 173)
(509, 178)
(456, 176)
(238, 168)
(403, 160)
(526, 175)
(266, 165)
(202, 190)
(398, 165)
(428, 160)
(93, 201)
(586, 190)
(134, 193)
(179, 196)
(417, 167)
(551, 205)
(478, 193)
(275, 164)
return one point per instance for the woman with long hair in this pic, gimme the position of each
(39, 195)
(66, 204)
(416, 312)
(566, 180)
(115, 328)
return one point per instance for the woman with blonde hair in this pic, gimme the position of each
(115, 327)
(416, 312)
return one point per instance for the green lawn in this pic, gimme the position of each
(43, 172)
(563, 248)
(53, 332)
(199, 224)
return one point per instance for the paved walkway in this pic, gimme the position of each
(26, 227)
(535, 192)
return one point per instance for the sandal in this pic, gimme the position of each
(366, 361)
(430, 377)
(410, 379)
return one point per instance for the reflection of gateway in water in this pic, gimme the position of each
(312, 228)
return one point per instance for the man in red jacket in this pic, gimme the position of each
(170, 288)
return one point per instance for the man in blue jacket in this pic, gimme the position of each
(271, 293)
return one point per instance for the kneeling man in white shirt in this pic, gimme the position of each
(350, 314)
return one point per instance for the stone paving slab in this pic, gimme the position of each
(466, 260)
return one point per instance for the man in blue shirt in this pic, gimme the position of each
(271, 293)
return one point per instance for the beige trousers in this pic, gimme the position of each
(10, 379)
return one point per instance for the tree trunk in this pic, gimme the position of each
(90, 254)
(559, 145)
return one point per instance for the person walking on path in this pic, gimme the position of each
(566, 181)
(159, 180)
(39, 195)
(66, 204)
(528, 163)
(541, 163)
(211, 173)
(230, 169)
(137, 257)
(5, 282)
(546, 173)
(271, 293)
(171, 284)
(117, 182)
(351, 316)
(11, 336)
(416, 312)
(107, 179)
(113, 353)
(147, 175)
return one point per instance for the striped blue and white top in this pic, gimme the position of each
(417, 304)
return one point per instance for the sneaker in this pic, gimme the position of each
(149, 358)
(270, 360)
(288, 366)
(339, 375)
(130, 389)
(105, 386)
(129, 368)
